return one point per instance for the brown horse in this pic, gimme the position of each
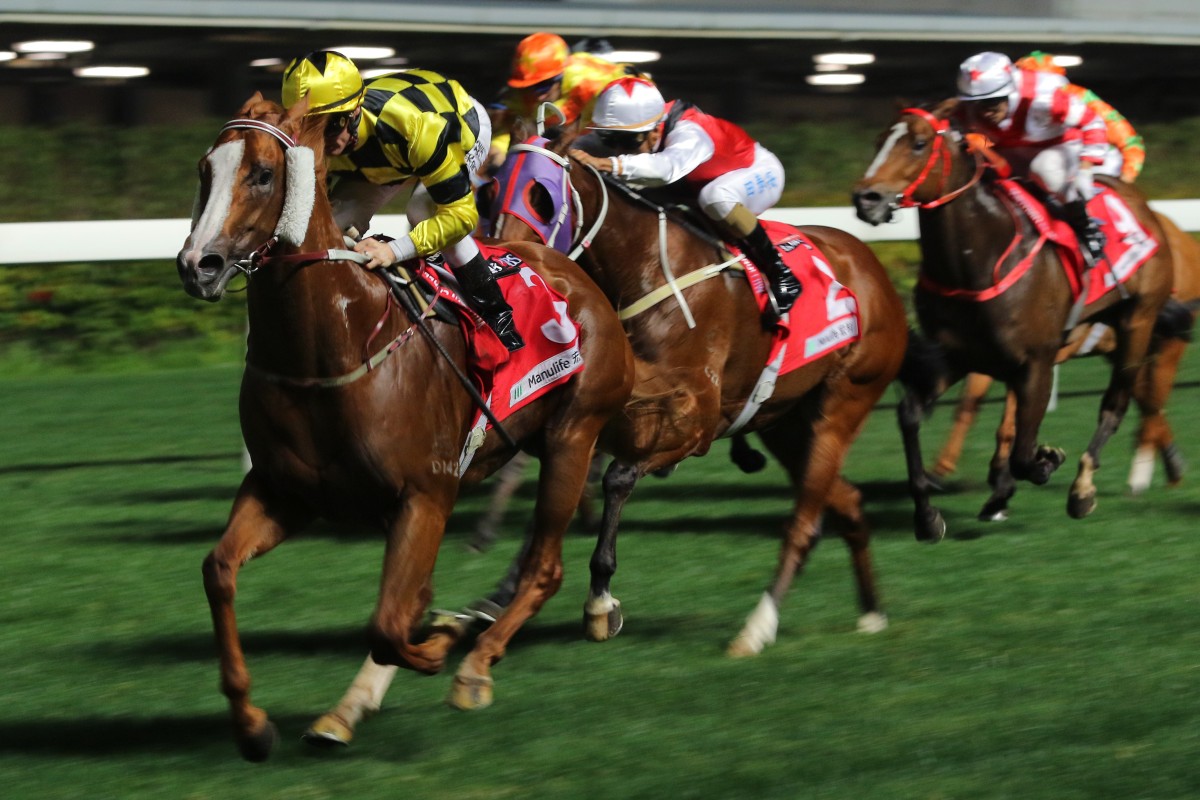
(342, 428)
(1154, 436)
(701, 350)
(994, 318)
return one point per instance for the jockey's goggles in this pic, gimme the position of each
(545, 87)
(621, 140)
(339, 122)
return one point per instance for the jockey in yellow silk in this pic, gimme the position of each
(412, 129)
(1126, 154)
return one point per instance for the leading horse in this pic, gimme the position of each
(342, 428)
(997, 301)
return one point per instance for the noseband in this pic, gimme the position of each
(297, 204)
(941, 130)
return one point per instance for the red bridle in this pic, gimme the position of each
(941, 129)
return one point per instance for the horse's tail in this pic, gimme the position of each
(1176, 319)
(924, 372)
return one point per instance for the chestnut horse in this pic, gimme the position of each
(701, 350)
(973, 244)
(1154, 436)
(341, 428)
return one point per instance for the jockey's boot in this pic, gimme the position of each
(1091, 238)
(480, 288)
(783, 286)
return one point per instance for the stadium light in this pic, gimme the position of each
(7, 55)
(360, 53)
(53, 46)
(111, 71)
(845, 59)
(267, 62)
(632, 56)
(835, 79)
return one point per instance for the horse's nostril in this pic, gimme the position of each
(869, 198)
(210, 262)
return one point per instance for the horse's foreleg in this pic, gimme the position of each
(975, 388)
(602, 618)
(1082, 499)
(406, 587)
(561, 479)
(1030, 461)
(1000, 476)
(254, 528)
(845, 500)
(928, 524)
(1154, 436)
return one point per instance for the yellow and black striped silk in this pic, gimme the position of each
(420, 124)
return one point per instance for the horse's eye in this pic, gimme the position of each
(919, 145)
(265, 177)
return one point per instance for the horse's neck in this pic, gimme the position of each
(312, 319)
(962, 240)
(628, 249)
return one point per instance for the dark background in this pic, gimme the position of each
(203, 71)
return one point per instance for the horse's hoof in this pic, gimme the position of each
(470, 692)
(1079, 506)
(930, 527)
(994, 511)
(742, 647)
(872, 622)
(600, 625)
(327, 732)
(484, 611)
(258, 745)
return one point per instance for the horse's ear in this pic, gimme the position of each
(946, 108)
(297, 112)
(522, 129)
(254, 100)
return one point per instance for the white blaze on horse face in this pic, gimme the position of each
(898, 130)
(224, 162)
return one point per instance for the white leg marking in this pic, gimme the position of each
(1141, 472)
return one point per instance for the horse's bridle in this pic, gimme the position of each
(941, 131)
(261, 256)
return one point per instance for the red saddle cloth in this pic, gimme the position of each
(551, 353)
(1128, 245)
(825, 316)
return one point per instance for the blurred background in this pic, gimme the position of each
(107, 107)
(747, 60)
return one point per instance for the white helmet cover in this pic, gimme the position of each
(984, 76)
(628, 104)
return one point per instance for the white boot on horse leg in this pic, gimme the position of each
(362, 699)
(759, 630)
